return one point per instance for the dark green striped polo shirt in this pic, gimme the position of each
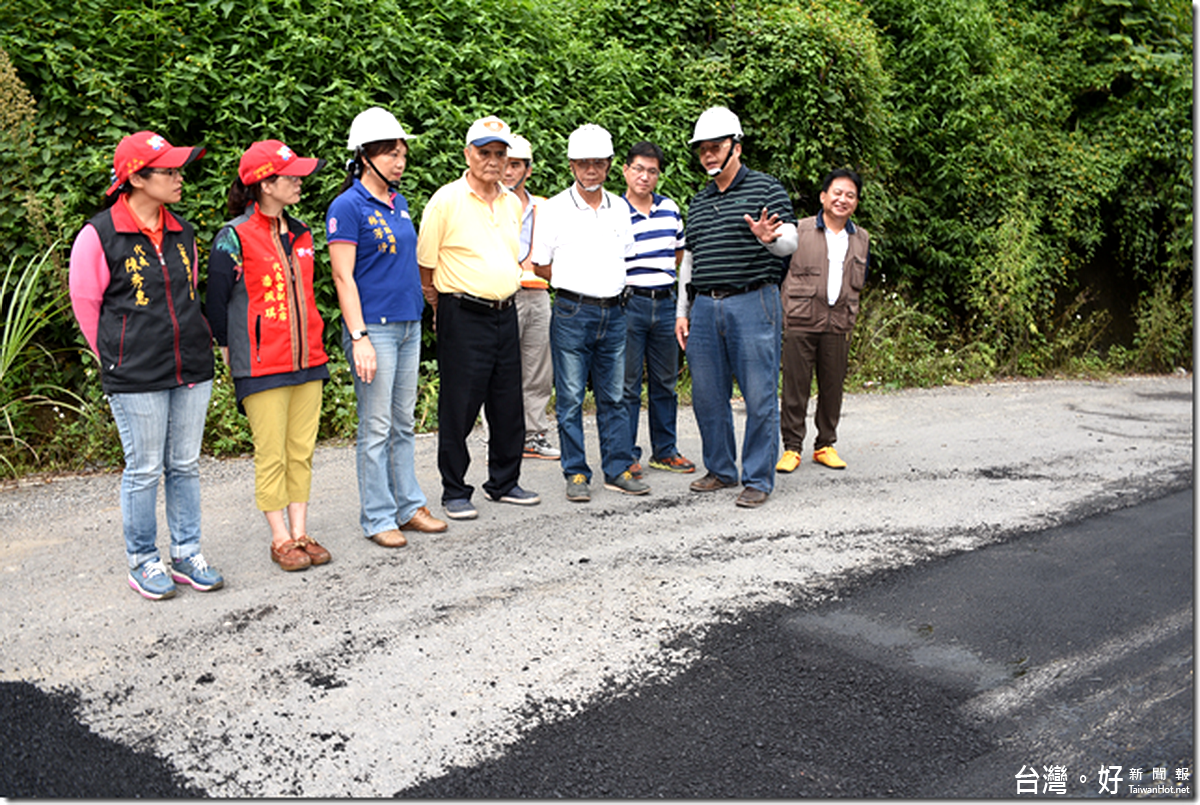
(725, 253)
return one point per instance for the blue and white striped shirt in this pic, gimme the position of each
(656, 236)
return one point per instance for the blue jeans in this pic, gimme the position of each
(388, 492)
(161, 432)
(650, 340)
(737, 336)
(590, 339)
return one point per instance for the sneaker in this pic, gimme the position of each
(635, 469)
(625, 482)
(460, 509)
(151, 580)
(577, 488)
(788, 462)
(195, 571)
(519, 496)
(539, 447)
(829, 457)
(675, 463)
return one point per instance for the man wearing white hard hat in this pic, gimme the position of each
(467, 249)
(729, 321)
(580, 244)
(533, 311)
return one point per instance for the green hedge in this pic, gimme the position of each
(1028, 163)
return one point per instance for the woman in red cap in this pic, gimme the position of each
(133, 290)
(261, 306)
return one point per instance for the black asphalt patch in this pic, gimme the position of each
(46, 752)
(866, 696)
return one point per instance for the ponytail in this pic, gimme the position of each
(241, 196)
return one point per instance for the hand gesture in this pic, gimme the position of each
(765, 229)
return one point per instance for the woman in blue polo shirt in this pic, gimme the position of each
(373, 252)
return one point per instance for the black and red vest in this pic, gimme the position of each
(152, 333)
(274, 326)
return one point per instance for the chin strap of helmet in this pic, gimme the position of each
(392, 185)
(725, 164)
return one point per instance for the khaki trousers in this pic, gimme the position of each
(284, 424)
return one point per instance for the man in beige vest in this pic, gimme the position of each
(820, 303)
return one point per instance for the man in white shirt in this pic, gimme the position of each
(582, 237)
(820, 304)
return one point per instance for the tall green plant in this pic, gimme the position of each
(26, 311)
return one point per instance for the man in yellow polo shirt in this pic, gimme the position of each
(467, 249)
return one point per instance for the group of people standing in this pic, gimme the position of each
(629, 288)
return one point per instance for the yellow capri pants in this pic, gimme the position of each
(283, 422)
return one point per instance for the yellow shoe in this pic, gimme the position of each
(829, 457)
(788, 462)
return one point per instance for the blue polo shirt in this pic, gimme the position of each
(385, 264)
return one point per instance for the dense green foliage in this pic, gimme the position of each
(1028, 163)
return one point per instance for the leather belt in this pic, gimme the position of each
(491, 304)
(725, 292)
(661, 292)
(598, 301)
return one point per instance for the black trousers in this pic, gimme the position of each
(479, 360)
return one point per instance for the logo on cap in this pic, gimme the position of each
(156, 142)
(493, 125)
(285, 153)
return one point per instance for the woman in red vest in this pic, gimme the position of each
(261, 306)
(133, 290)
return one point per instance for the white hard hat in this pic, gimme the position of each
(520, 148)
(589, 141)
(490, 129)
(372, 125)
(716, 123)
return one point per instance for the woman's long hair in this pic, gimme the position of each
(241, 195)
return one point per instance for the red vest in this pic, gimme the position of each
(274, 325)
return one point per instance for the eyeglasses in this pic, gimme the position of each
(592, 164)
(172, 173)
(653, 173)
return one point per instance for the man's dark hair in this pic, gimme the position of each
(649, 151)
(842, 173)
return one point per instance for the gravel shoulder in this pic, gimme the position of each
(386, 667)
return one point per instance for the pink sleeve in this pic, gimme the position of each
(89, 279)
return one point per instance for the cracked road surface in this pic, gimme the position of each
(385, 670)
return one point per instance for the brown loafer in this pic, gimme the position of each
(709, 483)
(751, 498)
(424, 522)
(392, 538)
(290, 556)
(316, 553)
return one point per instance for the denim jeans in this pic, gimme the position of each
(590, 339)
(650, 340)
(161, 432)
(738, 336)
(388, 492)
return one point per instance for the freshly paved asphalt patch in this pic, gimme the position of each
(877, 695)
(387, 670)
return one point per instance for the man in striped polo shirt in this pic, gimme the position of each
(738, 228)
(650, 309)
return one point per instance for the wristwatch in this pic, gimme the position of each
(357, 335)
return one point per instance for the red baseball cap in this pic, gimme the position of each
(148, 150)
(272, 158)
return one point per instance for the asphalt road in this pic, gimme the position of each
(1070, 647)
(402, 671)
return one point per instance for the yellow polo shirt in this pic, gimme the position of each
(471, 247)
